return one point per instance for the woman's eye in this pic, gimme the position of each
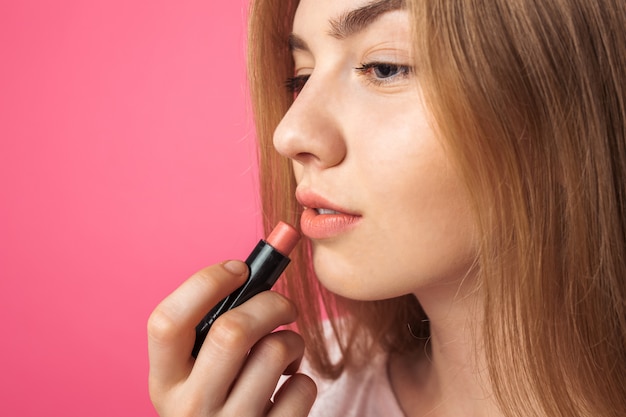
(382, 72)
(296, 84)
(377, 72)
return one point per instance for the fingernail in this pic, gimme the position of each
(235, 267)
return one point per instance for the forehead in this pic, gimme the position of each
(341, 18)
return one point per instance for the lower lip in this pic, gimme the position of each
(325, 226)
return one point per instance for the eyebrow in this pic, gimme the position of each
(352, 22)
(356, 20)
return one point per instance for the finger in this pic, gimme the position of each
(232, 336)
(295, 398)
(171, 327)
(267, 361)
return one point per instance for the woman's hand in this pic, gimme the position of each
(241, 360)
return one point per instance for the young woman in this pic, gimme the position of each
(459, 171)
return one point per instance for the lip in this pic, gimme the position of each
(324, 226)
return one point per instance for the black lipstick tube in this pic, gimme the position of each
(265, 264)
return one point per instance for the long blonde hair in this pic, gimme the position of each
(530, 98)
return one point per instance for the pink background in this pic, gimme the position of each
(126, 164)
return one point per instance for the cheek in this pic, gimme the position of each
(417, 232)
(397, 258)
(398, 263)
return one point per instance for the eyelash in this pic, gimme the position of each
(295, 84)
(369, 70)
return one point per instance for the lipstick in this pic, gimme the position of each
(317, 224)
(266, 262)
(323, 219)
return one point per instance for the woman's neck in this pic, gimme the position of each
(448, 378)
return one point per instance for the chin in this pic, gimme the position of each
(353, 282)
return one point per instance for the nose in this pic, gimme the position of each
(310, 132)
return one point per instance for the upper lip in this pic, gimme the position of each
(311, 199)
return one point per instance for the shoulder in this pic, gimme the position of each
(362, 392)
(358, 392)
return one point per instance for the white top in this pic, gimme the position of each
(364, 392)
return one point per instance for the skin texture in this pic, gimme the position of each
(363, 143)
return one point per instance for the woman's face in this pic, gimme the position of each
(385, 210)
